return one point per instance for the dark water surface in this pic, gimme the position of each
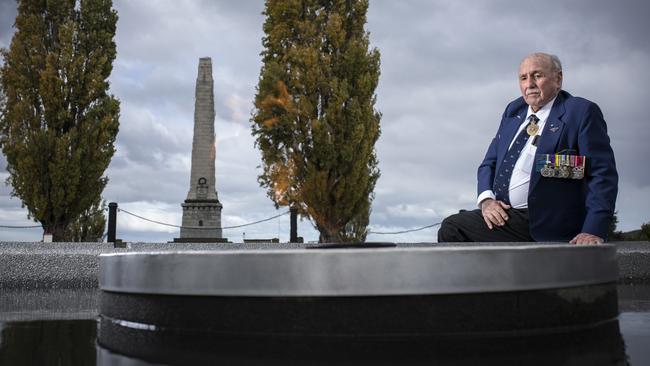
(75, 342)
(61, 327)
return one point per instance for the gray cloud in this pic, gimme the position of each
(7, 16)
(448, 70)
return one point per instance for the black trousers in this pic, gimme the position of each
(469, 226)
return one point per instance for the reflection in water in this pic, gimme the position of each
(74, 343)
(635, 327)
(61, 342)
(602, 345)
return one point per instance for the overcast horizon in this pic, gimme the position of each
(448, 69)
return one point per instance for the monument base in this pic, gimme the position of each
(201, 221)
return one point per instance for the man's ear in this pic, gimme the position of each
(559, 78)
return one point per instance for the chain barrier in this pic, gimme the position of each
(19, 227)
(201, 227)
(403, 231)
(224, 227)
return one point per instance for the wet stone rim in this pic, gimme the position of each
(358, 272)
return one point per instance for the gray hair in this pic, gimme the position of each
(557, 65)
(555, 61)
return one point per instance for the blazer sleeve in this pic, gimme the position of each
(601, 174)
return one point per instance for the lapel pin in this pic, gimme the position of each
(553, 129)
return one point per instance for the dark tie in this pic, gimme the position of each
(502, 180)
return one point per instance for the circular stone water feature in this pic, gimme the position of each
(153, 302)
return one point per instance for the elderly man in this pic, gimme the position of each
(549, 173)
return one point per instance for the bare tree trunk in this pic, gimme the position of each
(56, 230)
(329, 236)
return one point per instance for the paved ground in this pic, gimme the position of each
(634, 262)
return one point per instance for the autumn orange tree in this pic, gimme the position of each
(315, 121)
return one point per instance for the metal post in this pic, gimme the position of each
(293, 233)
(112, 221)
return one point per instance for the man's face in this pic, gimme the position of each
(538, 82)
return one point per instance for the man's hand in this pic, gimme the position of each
(586, 238)
(494, 212)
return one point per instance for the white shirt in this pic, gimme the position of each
(520, 180)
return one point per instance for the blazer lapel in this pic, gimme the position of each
(550, 135)
(508, 132)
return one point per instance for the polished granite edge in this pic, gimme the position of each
(75, 265)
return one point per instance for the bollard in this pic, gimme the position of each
(293, 233)
(112, 221)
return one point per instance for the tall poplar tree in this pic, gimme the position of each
(314, 119)
(59, 123)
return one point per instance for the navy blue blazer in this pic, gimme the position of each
(559, 209)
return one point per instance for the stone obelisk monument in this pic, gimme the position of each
(202, 209)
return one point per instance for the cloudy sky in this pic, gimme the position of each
(448, 70)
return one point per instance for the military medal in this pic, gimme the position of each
(564, 172)
(532, 128)
(544, 166)
(561, 166)
(578, 173)
(548, 172)
(578, 167)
